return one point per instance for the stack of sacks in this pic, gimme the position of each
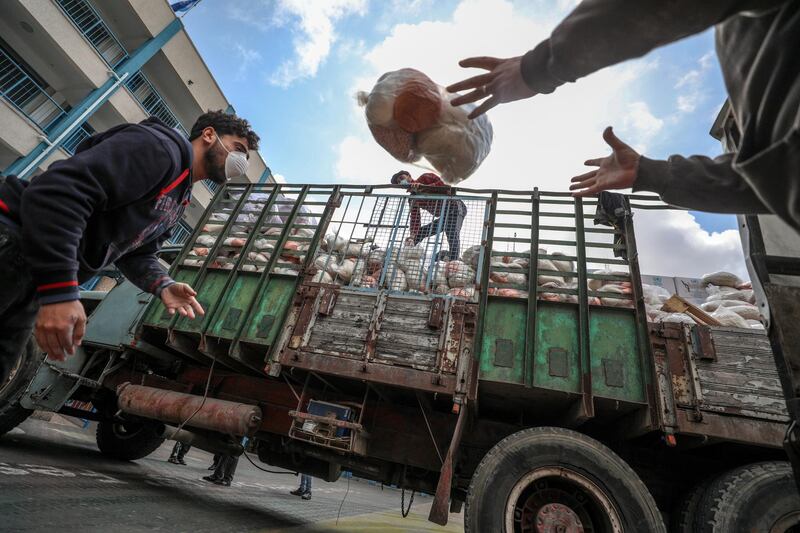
(410, 116)
(654, 299)
(612, 287)
(291, 256)
(731, 301)
(293, 252)
(346, 262)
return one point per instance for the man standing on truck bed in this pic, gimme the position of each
(758, 42)
(448, 216)
(114, 201)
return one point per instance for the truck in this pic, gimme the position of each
(521, 382)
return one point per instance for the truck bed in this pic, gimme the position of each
(719, 383)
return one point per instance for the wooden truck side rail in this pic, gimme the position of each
(717, 384)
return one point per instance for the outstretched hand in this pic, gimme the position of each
(616, 171)
(180, 297)
(60, 328)
(502, 84)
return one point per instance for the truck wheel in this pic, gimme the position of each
(553, 479)
(128, 440)
(756, 497)
(23, 369)
(685, 512)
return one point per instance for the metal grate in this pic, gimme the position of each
(27, 96)
(180, 233)
(404, 244)
(91, 25)
(70, 144)
(226, 245)
(152, 101)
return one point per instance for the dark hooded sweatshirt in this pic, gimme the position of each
(114, 201)
(758, 45)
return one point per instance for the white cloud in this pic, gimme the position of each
(314, 28)
(676, 245)
(541, 142)
(247, 57)
(279, 178)
(691, 84)
(251, 15)
(641, 125)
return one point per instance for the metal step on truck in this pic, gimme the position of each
(505, 362)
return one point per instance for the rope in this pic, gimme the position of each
(205, 396)
(343, 499)
(403, 509)
(265, 470)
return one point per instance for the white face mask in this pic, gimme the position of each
(235, 164)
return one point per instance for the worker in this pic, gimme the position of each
(114, 201)
(757, 44)
(225, 467)
(448, 216)
(304, 490)
(179, 451)
(224, 471)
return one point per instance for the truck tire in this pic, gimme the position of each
(684, 515)
(559, 478)
(129, 440)
(24, 368)
(756, 497)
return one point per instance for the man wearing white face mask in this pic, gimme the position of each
(114, 201)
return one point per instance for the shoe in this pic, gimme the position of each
(297, 492)
(213, 466)
(306, 495)
(223, 483)
(211, 479)
(173, 460)
(181, 461)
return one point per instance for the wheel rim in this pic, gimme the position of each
(788, 523)
(14, 370)
(126, 430)
(557, 500)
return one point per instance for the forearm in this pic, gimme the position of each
(143, 269)
(700, 183)
(601, 33)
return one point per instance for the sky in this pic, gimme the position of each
(293, 68)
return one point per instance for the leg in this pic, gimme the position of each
(456, 212)
(219, 471)
(176, 450)
(230, 469)
(184, 449)
(426, 231)
(307, 482)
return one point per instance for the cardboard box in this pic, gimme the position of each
(665, 282)
(691, 289)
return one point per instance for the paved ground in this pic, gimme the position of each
(53, 477)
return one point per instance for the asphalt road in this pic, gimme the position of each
(53, 478)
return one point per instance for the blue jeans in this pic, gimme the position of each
(305, 483)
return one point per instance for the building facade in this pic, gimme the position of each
(69, 68)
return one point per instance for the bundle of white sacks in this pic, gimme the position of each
(359, 263)
(729, 300)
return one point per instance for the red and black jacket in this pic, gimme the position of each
(114, 201)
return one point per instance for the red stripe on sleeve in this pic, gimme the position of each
(59, 285)
(4, 207)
